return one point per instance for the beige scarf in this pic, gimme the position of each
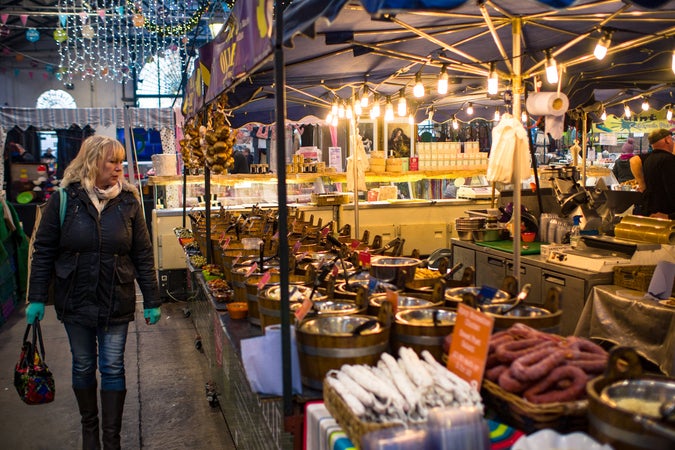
(100, 197)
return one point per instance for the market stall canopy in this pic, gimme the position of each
(55, 118)
(337, 47)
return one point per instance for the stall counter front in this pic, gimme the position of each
(624, 317)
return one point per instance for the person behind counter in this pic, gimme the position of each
(19, 153)
(240, 162)
(102, 247)
(659, 176)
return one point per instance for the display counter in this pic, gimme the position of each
(255, 421)
(624, 317)
(493, 265)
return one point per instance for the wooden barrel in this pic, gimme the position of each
(547, 321)
(252, 296)
(269, 305)
(423, 329)
(326, 343)
(231, 256)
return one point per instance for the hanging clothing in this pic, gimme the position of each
(509, 147)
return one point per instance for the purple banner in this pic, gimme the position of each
(193, 98)
(244, 42)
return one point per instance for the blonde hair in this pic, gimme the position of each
(94, 150)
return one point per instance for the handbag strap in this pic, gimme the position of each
(37, 337)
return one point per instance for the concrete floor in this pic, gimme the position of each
(166, 406)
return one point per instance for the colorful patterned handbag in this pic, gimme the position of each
(32, 378)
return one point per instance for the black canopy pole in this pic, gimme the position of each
(280, 83)
(535, 163)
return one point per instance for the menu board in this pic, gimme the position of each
(469, 346)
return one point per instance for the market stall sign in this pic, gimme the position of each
(469, 346)
(244, 42)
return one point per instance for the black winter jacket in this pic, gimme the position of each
(95, 259)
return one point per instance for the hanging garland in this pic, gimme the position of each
(170, 30)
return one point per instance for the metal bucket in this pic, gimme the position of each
(625, 428)
(404, 303)
(393, 269)
(532, 316)
(231, 256)
(327, 343)
(269, 304)
(423, 329)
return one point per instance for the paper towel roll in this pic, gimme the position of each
(547, 104)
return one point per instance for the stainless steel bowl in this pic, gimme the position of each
(351, 286)
(387, 268)
(297, 293)
(518, 311)
(336, 307)
(427, 317)
(404, 302)
(465, 235)
(339, 325)
(455, 294)
(639, 396)
(487, 234)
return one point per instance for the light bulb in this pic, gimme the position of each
(601, 47)
(455, 124)
(603, 116)
(497, 115)
(402, 104)
(388, 111)
(469, 109)
(364, 96)
(375, 110)
(626, 111)
(357, 108)
(645, 105)
(493, 81)
(418, 90)
(349, 112)
(411, 119)
(669, 114)
(443, 81)
(523, 117)
(341, 110)
(329, 117)
(334, 122)
(673, 63)
(551, 70)
(334, 108)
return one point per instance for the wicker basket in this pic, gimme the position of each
(529, 417)
(635, 277)
(353, 426)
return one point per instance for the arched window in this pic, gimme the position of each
(55, 98)
(159, 80)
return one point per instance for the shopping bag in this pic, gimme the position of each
(32, 378)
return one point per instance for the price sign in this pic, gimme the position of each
(226, 243)
(251, 269)
(302, 311)
(296, 246)
(469, 346)
(355, 243)
(392, 297)
(325, 231)
(264, 280)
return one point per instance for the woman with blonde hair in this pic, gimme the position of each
(97, 252)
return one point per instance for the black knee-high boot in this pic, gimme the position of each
(87, 402)
(112, 407)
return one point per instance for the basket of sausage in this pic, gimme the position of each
(394, 393)
(536, 380)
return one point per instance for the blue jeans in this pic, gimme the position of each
(111, 343)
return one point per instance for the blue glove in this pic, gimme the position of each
(34, 311)
(152, 315)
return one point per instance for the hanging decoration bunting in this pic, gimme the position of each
(32, 35)
(122, 35)
(60, 35)
(4, 17)
(24, 19)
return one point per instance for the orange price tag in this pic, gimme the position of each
(296, 246)
(251, 269)
(392, 297)
(236, 258)
(302, 311)
(469, 346)
(264, 280)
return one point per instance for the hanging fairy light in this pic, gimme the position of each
(375, 109)
(669, 113)
(364, 96)
(603, 116)
(498, 115)
(358, 110)
(442, 87)
(602, 46)
(551, 68)
(645, 105)
(418, 90)
(112, 39)
(626, 111)
(493, 81)
(388, 110)
(469, 109)
(455, 123)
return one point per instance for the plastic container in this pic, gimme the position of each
(395, 439)
(462, 428)
(575, 232)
